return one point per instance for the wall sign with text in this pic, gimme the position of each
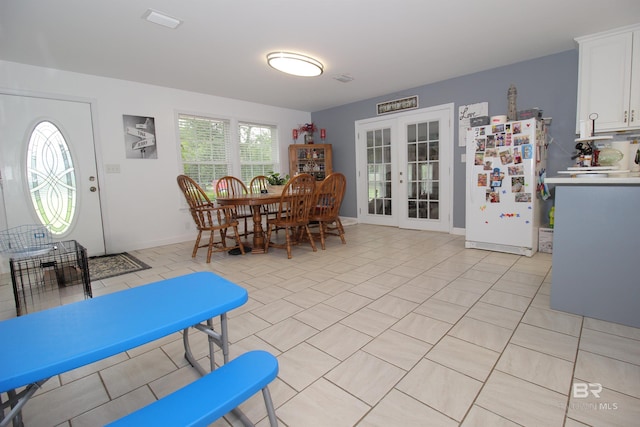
(397, 105)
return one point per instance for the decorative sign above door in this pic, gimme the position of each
(397, 105)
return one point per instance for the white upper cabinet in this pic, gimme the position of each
(609, 79)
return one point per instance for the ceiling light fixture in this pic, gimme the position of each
(161, 19)
(294, 63)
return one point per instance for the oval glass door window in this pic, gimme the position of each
(51, 178)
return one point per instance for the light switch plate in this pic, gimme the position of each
(113, 168)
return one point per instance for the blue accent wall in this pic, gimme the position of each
(549, 83)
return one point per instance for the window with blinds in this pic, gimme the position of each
(212, 148)
(205, 145)
(258, 150)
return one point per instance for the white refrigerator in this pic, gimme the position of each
(505, 186)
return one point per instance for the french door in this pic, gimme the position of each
(65, 190)
(404, 169)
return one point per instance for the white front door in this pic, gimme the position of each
(19, 116)
(404, 169)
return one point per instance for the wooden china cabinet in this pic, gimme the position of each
(314, 159)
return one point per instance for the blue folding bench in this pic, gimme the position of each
(212, 396)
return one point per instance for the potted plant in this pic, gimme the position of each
(276, 182)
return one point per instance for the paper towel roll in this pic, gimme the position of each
(633, 149)
(623, 147)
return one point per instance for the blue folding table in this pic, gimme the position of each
(43, 344)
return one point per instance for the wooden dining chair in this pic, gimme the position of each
(325, 210)
(293, 213)
(229, 186)
(260, 184)
(210, 219)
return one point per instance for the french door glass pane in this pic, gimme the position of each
(379, 171)
(423, 172)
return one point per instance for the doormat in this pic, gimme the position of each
(105, 266)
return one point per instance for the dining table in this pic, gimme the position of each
(256, 201)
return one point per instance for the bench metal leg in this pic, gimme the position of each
(219, 338)
(271, 412)
(17, 401)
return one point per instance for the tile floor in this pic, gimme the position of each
(395, 328)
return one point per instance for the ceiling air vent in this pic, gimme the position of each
(344, 78)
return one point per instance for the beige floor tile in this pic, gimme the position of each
(441, 310)
(455, 296)
(611, 373)
(495, 315)
(368, 321)
(385, 279)
(322, 404)
(481, 275)
(398, 349)
(66, 402)
(506, 299)
(525, 278)
(244, 325)
(481, 333)
(513, 287)
(287, 334)
(353, 277)
(422, 327)
(366, 377)
(470, 285)
(464, 357)
(348, 302)
(412, 293)
(115, 409)
(539, 368)
(175, 380)
(296, 370)
(306, 298)
(428, 282)
(611, 409)
(616, 347)
(133, 373)
(332, 286)
(277, 311)
(370, 290)
(321, 316)
(267, 294)
(398, 409)
(339, 341)
(546, 341)
(443, 389)
(480, 417)
(83, 371)
(393, 306)
(612, 328)
(522, 402)
(573, 423)
(558, 321)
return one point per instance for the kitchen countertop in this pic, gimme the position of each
(594, 180)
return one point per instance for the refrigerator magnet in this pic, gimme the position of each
(517, 127)
(493, 196)
(506, 157)
(517, 184)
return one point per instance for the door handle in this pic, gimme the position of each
(93, 189)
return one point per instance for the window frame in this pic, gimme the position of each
(234, 162)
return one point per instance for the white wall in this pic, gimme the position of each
(142, 206)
